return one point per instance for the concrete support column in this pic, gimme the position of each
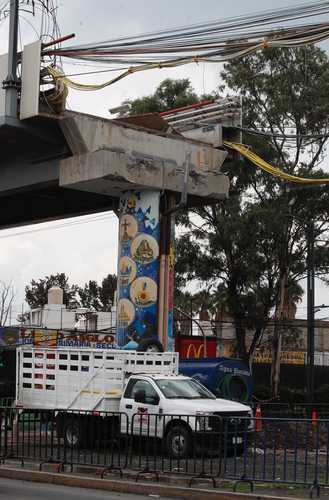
(166, 274)
(138, 269)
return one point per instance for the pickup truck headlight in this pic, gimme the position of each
(251, 425)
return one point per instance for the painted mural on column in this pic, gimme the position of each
(138, 268)
(171, 257)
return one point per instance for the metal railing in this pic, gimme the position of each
(292, 410)
(258, 449)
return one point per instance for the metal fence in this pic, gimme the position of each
(274, 450)
(292, 410)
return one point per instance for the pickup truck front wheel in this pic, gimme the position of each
(179, 442)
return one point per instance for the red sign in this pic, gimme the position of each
(194, 347)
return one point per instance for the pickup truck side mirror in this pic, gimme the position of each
(153, 400)
(140, 396)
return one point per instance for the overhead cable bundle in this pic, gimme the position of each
(212, 42)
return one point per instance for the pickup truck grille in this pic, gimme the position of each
(232, 422)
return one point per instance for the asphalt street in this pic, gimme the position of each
(24, 490)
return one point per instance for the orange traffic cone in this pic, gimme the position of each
(258, 419)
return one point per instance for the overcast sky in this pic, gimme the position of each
(89, 251)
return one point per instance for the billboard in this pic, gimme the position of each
(286, 357)
(194, 348)
(43, 337)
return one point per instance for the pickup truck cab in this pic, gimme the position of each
(177, 409)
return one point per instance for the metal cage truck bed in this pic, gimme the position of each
(122, 392)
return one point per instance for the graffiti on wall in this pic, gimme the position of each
(171, 283)
(138, 268)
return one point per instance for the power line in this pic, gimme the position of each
(59, 226)
(184, 33)
(282, 136)
(95, 72)
(226, 51)
(211, 42)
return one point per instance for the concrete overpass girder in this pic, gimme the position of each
(110, 157)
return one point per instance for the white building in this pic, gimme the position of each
(54, 315)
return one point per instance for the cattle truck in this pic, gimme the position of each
(139, 392)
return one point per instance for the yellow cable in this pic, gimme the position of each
(57, 75)
(275, 171)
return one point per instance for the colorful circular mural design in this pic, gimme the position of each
(144, 249)
(128, 228)
(126, 313)
(127, 271)
(143, 292)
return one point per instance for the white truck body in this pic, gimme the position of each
(82, 379)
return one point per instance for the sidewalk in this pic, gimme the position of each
(168, 486)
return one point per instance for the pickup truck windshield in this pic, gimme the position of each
(183, 389)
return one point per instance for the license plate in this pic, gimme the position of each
(237, 440)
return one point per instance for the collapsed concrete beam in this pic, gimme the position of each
(111, 157)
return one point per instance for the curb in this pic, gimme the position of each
(128, 486)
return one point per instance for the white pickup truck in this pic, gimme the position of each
(141, 392)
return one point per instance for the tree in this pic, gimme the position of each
(247, 248)
(36, 294)
(169, 94)
(107, 291)
(91, 296)
(98, 298)
(7, 295)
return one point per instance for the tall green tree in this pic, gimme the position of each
(91, 295)
(98, 297)
(251, 247)
(168, 95)
(36, 293)
(107, 291)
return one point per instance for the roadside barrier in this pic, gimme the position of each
(183, 445)
(291, 410)
(281, 450)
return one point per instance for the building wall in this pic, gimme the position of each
(58, 318)
(294, 334)
(54, 316)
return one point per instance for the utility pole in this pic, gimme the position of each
(10, 84)
(310, 309)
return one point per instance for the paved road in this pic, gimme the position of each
(23, 490)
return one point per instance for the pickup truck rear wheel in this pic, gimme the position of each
(179, 442)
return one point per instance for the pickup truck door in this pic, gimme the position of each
(141, 403)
